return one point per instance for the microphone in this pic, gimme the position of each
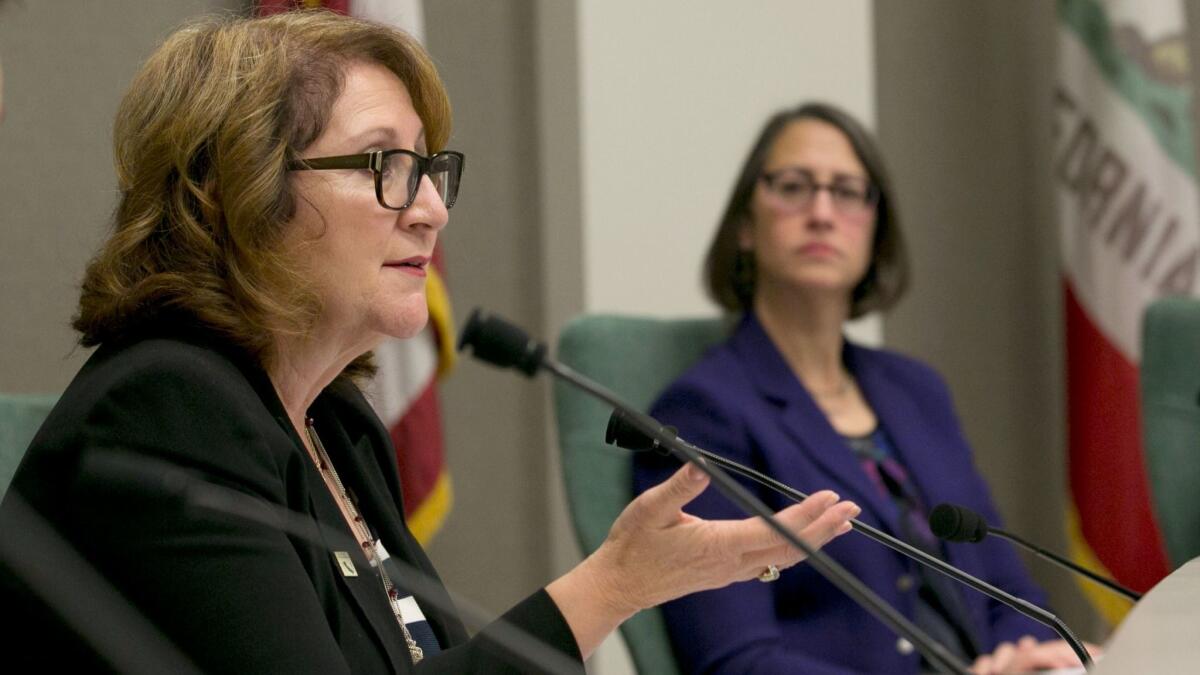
(502, 344)
(958, 523)
(624, 434)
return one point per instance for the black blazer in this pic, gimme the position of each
(233, 594)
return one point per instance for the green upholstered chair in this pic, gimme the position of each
(20, 417)
(1170, 374)
(636, 358)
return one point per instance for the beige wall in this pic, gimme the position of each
(672, 97)
(494, 548)
(66, 65)
(964, 122)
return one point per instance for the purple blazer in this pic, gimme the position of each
(742, 401)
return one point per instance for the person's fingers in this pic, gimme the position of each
(780, 552)
(754, 534)
(1052, 654)
(1027, 655)
(1002, 657)
(660, 505)
(982, 665)
(1031, 655)
(833, 522)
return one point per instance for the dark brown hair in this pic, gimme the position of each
(201, 143)
(729, 272)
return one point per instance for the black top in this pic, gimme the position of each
(235, 594)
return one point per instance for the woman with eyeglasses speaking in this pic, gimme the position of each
(809, 239)
(215, 466)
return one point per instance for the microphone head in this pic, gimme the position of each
(500, 343)
(623, 434)
(957, 523)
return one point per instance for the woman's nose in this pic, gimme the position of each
(428, 209)
(820, 210)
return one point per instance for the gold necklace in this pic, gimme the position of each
(361, 532)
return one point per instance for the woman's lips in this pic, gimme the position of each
(415, 265)
(818, 249)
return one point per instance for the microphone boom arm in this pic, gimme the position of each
(1054, 557)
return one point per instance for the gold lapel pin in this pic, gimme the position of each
(345, 563)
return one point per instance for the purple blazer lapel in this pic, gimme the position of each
(911, 433)
(806, 424)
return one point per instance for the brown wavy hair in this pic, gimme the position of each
(201, 143)
(729, 272)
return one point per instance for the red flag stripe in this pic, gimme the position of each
(1108, 481)
(419, 428)
(266, 7)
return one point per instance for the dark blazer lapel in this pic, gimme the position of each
(805, 423)
(371, 468)
(910, 432)
(366, 589)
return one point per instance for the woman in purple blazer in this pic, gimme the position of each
(810, 238)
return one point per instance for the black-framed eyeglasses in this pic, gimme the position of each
(398, 173)
(795, 189)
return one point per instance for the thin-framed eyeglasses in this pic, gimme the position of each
(796, 190)
(398, 173)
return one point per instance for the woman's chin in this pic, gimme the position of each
(829, 283)
(406, 321)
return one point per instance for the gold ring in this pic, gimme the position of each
(769, 574)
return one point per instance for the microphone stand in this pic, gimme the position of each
(1055, 558)
(1024, 607)
(511, 347)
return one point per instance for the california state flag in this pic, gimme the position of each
(1124, 174)
(404, 391)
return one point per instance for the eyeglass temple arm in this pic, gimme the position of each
(364, 161)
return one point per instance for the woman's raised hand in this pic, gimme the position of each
(655, 552)
(658, 553)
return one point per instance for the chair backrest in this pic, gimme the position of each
(636, 358)
(20, 417)
(1170, 374)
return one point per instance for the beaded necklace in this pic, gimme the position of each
(362, 533)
